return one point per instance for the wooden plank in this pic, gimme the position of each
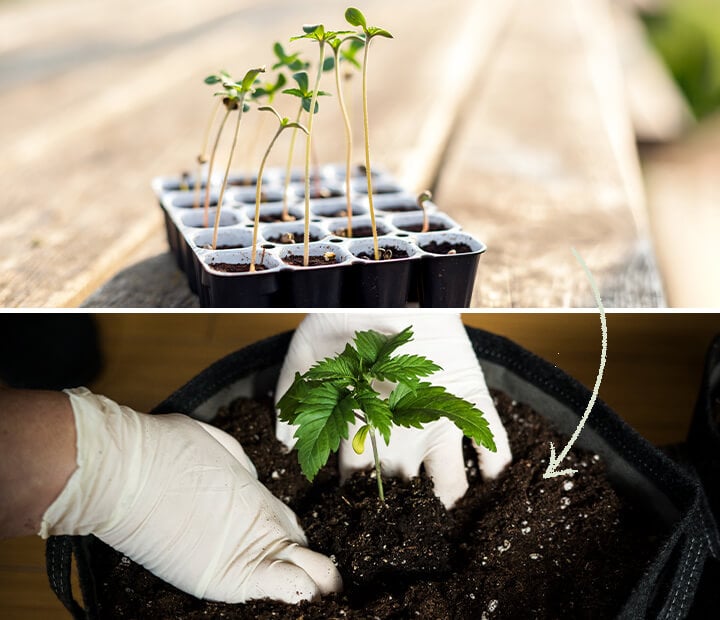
(97, 151)
(545, 160)
(683, 197)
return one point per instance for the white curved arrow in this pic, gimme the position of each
(551, 471)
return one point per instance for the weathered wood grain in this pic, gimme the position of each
(80, 169)
(545, 160)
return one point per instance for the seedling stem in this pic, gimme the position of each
(202, 157)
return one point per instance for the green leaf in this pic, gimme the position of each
(374, 347)
(376, 410)
(403, 368)
(358, 442)
(378, 32)
(318, 29)
(323, 420)
(212, 79)
(303, 82)
(427, 403)
(294, 91)
(328, 64)
(290, 401)
(269, 108)
(343, 366)
(247, 82)
(355, 18)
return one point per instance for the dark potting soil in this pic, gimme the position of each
(516, 547)
(236, 267)
(275, 217)
(432, 226)
(297, 260)
(446, 248)
(398, 208)
(359, 232)
(386, 253)
(287, 238)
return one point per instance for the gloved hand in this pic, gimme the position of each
(182, 499)
(439, 337)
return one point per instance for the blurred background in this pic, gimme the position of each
(539, 124)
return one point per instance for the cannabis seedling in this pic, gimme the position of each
(349, 56)
(421, 200)
(339, 390)
(321, 36)
(236, 94)
(285, 123)
(356, 18)
(228, 99)
(303, 92)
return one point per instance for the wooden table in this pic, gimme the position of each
(513, 112)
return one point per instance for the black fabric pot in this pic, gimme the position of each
(674, 499)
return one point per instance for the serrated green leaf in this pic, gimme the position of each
(290, 401)
(355, 18)
(323, 420)
(358, 442)
(343, 366)
(427, 403)
(374, 347)
(403, 368)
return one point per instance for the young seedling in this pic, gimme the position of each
(356, 18)
(338, 391)
(349, 56)
(305, 95)
(202, 158)
(285, 123)
(236, 94)
(227, 98)
(264, 92)
(321, 36)
(421, 200)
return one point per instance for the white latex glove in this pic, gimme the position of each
(439, 337)
(182, 499)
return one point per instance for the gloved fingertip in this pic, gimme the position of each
(492, 464)
(318, 566)
(281, 581)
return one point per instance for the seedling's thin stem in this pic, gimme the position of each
(308, 146)
(348, 139)
(368, 171)
(206, 221)
(258, 192)
(378, 470)
(421, 200)
(240, 103)
(202, 157)
(288, 168)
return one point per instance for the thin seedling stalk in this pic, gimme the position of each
(206, 222)
(308, 146)
(202, 157)
(348, 139)
(421, 200)
(378, 470)
(288, 168)
(368, 171)
(258, 192)
(241, 102)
